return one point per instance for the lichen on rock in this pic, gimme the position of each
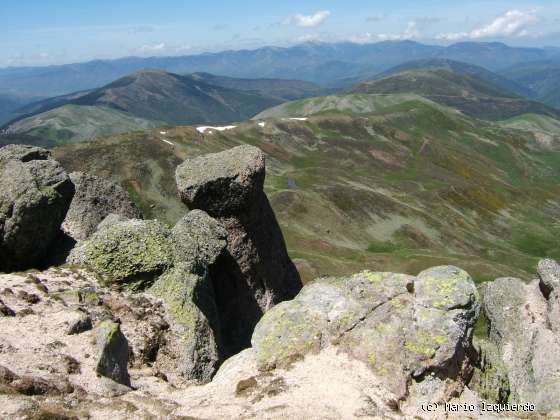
(189, 299)
(402, 327)
(129, 253)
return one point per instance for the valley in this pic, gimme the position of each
(400, 184)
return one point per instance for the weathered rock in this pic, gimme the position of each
(198, 239)
(23, 153)
(35, 194)
(95, 198)
(134, 252)
(80, 323)
(549, 274)
(5, 310)
(112, 352)
(255, 273)
(189, 298)
(490, 378)
(403, 327)
(222, 184)
(520, 327)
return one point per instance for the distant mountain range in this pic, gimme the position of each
(328, 64)
(151, 98)
(542, 77)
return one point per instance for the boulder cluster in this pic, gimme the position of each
(140, 312)
(218, 270)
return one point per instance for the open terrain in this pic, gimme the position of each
(405, 185)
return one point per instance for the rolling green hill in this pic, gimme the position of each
(357, 103)
(149, 99)
(464, 69)
(280, 89)
(472, 96)
(408, 186)
(73, 123)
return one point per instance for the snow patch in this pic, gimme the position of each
(296, 119)
(167, 141)
(203, 129)
(262, 124)
(163, 133)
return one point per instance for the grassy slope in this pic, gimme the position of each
(358, 103)
(410, 186)
(73, 123)
(472, 96)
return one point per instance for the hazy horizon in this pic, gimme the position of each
(37, 34)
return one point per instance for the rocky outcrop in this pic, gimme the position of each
(35, 194)
(95, 199)
(198, 240)
(132, 253)
(523, 326)
(255, 273)
(413, 332)
(195, 352)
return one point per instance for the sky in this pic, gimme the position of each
(44, 32)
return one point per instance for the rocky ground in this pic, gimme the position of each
(208, 319)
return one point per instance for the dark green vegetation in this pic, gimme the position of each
(542, 77)
(405, 186)
(279, 89)
(463, 69)
(471, 95)
(150, 99)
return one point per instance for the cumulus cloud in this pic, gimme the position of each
(411, 32)
(513, 23)
(153, 48)
(310, 21)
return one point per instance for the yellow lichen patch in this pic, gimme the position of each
(372, 277)
(420, 348)
(372, 359)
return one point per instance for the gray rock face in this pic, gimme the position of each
(112, 348)
(402, 327)
(224, 183)
(35, 194)
(94, 199)
(189, 298)
(23, 153)
(521, 322)
(549, 275)
(198, 239)
(255, 273)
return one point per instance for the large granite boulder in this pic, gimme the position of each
(35, 193)
(132, 253)
(224, 183)
(413, 332)
(256, 272)
(523, 325)
(95, 198)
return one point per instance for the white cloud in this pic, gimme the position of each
(411, 32)
(310, 21)
(513, 23)
(153, 48)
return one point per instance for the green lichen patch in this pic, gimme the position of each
(133, 252)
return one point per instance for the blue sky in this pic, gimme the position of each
(40, 32)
